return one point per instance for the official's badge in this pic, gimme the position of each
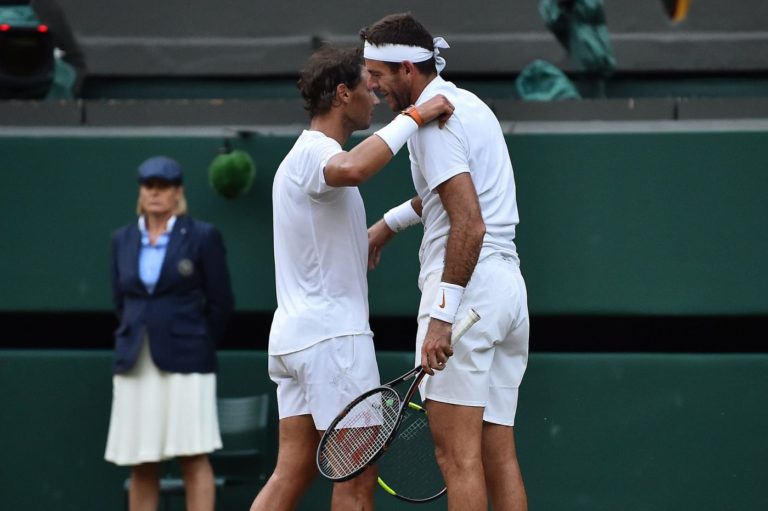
(186, 268)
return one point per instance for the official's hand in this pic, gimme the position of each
(436, 349)
(438, 108)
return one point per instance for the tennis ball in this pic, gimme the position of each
(231, 174)
(390, 401)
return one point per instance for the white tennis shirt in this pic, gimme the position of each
(471, 141)
(321, 251)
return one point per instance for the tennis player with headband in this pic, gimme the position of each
(321, 353)
(466, 200)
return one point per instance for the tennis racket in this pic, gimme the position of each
(410, 471)
(368, 425)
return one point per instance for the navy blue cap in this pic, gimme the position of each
(160, 167)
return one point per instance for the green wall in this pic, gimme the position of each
(594, 432)
(632, 222)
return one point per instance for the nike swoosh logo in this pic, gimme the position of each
(442, 304)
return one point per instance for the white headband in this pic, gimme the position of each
(400, 52)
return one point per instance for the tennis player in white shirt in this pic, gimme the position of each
(321, 352)
(466, 201)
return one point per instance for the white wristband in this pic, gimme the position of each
(401, 217)
(447, 302)
(396, 133)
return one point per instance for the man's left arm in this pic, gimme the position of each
(465, 239)
(395, 220)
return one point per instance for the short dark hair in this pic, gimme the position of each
(325, 69)
(401, 28)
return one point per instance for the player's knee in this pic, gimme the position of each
(456, 462)
(294, 475)
(359, 488)
(356, 494)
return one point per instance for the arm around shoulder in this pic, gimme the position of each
(369, 156)
(358, 165)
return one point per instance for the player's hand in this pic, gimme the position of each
(379, 235)
(436, 349)
(438, 108)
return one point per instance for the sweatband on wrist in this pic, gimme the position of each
(414, 114)
(396, 133)
(447, 302)
(401, 217)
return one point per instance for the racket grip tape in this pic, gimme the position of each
(465, 324)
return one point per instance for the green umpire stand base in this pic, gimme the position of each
(594, 431)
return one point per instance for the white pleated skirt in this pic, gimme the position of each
(157, 415)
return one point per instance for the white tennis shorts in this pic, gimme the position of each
(489, 361)
(322, 379)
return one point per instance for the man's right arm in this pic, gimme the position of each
(369, 156)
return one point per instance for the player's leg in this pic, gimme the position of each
(355, 494)
(344, 368)
(144, 493)
(295, 469)
(502, 469)
(457, 428)
(314, 385)
(297, 437)
(457, 432)
(503, 477)
(199, 486)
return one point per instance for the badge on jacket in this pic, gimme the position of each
(186, 267)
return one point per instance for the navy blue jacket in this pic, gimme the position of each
(191, 304)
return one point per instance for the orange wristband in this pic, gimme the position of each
(414, 114)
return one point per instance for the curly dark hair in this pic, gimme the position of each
(401, 28)
(325, 69)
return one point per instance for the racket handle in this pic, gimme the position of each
(465, 324)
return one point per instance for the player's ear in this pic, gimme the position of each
(408, 67)
(342, 92)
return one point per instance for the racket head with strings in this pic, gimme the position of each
(410, 471)
(359, 435)
(366, 427)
